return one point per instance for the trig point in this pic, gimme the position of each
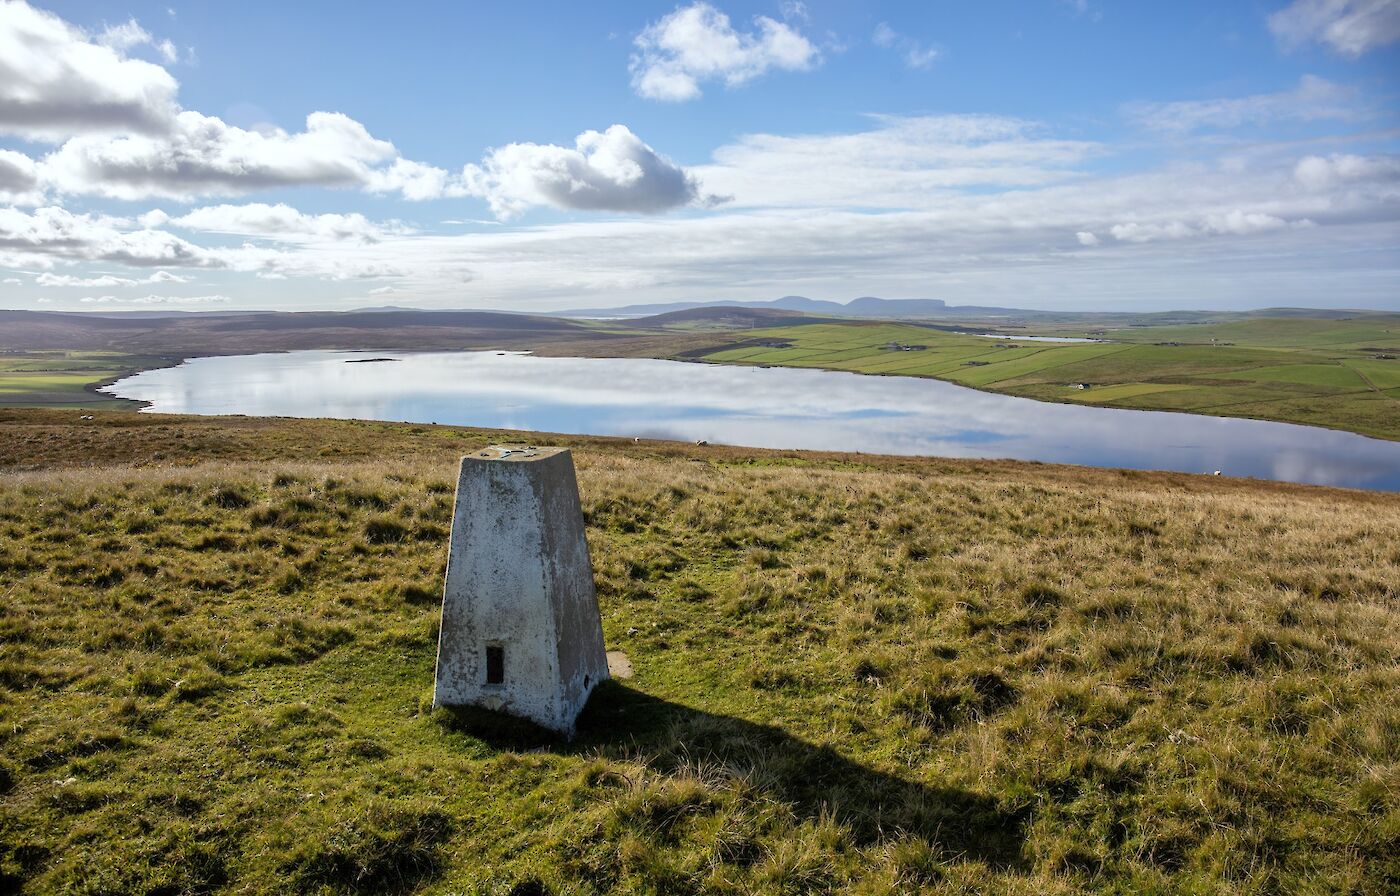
(521, 632)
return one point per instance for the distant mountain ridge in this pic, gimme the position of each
(869, 307)
(864, 306)
(205, 333)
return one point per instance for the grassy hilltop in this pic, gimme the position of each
(854, 674)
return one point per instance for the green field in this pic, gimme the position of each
(854, 675)
(65, 378)
(1321, 372)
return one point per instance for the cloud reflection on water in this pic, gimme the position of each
(767, 407)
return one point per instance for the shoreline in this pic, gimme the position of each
(143, 405)
(1211, 447)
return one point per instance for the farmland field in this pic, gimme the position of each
(1343, 374)
(65, 378)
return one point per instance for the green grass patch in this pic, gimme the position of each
(1381, 374)
(1285, 332)
(1315, 371)
(65, 379)
(1329, 376)
(1108, 394)
(1040, 361)
(896, 675)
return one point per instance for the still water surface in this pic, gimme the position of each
(763, 407)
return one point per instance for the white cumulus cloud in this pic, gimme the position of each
(1133, 232)
(612, 170)
(203, 156)
(19, 178)
(282, 222)
(697, 43)
(50, 236)
(1235, 222)
(1323, 172)
(55, 81)
(124, 135)
(1350, 27)
(414, 180)
(52, 232)
(106, 281)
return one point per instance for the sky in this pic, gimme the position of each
(1063, 154)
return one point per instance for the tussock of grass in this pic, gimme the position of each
(895, 676)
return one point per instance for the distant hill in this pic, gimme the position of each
(216, 333)
(872, 307)
(1311, 313)
(865, 306)
(169, 332)
(875, 307)
(730, 316)
(152, 314)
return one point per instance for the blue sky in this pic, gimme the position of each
(1079, 155)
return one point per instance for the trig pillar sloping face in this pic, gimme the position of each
(521, 632)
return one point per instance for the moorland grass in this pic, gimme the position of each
(853, 674)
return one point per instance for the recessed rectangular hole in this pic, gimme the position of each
(495, 664)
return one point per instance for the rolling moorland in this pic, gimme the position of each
(1334, 370)
(854, 674)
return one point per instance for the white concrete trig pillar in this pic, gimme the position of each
(521, 633)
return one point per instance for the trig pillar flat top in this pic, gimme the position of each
(515, 453)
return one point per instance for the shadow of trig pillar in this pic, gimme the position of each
(521, 632)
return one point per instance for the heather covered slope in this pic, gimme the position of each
(853, 674)
(225, 334)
